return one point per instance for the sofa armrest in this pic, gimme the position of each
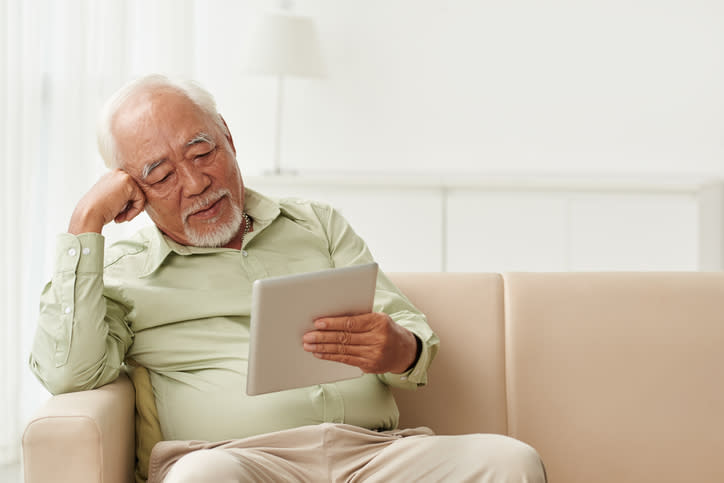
(83, 436)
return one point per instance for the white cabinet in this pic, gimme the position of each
(402, 225)
(633, 232)
(524, 224)
(505, 231)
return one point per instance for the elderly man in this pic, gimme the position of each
(175, 298)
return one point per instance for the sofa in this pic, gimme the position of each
(613, 377)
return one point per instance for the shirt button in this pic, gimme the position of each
(72, 252)
(244, 253)
(67, 310)
(86, 251)
(403, 378)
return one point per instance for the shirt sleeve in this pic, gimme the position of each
(81, 338)
(347, 248)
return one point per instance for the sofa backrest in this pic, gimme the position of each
(618, 377)
(466, 390)
(612, 377)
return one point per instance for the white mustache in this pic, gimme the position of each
(205, 202)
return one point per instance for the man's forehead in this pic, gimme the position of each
(147, 125)
(160, 106)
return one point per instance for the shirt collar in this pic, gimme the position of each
(261, 209)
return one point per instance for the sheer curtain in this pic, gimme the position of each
(59, 61)
(20, 111)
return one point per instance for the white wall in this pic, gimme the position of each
(472, 86)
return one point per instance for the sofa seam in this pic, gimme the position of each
(506, 376)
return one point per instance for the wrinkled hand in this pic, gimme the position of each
(373, 342)
(115, 196)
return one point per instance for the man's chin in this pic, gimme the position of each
(209, 239)
(213, 235)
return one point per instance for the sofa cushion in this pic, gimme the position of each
(148, 427)
(466, 388)
(618, 376)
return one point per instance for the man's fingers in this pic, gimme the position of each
(115, 196)
(340, 337)
(343, 349)
(373, 342)
(132, 209)
(136, 203)
(350, 323)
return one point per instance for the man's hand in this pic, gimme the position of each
(373, 342)
(115, 196)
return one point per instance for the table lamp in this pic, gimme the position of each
(283, 45)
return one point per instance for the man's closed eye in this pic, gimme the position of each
(163, 180)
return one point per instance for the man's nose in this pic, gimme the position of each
(193, 181)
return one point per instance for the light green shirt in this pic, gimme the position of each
(183, 312)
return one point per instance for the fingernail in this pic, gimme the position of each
(320, 324)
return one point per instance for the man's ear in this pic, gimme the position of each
(228, 134)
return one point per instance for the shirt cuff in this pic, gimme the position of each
(79, 253)
(417, 374)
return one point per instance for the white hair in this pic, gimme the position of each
(194, 92)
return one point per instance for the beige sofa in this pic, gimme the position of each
(613, 377)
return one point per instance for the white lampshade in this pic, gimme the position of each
(284, 45)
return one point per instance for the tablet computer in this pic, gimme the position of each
(284, 308)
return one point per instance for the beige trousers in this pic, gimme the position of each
(345, 453)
